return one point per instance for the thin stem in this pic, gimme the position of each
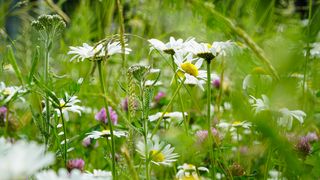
(47, 104)
(65, 138)
(121, 22)
(7, 122)
(209, 118)
(307, 56)
(114, 174)
(179, 96)
(219, 98)
(167, 107)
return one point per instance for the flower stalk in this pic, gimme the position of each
(114, 174)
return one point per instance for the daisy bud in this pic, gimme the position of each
(75, 164)
(102, 116)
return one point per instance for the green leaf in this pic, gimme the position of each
(13, 62)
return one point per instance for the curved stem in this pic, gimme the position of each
(167, 107)
(179, 96)
(114, 174)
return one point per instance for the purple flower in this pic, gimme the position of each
(159, 96)
(216, 83)
(203, 134)
(312, 136)
(86, 142)
(303, 145)
(125, 104)
(75, 164)
(3, 112)
(102, 116)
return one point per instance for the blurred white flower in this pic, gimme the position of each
(75, 174)
(158, 152)
(167, 116)
(222, 48)
(275, 175)
(260, 105)
(190, 71)
(106, 133)
(7, 93)
(289, 115)
(22, 159)
(315, 50)
(189, 171)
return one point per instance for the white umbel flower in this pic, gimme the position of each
(158, 152)
(22, 159)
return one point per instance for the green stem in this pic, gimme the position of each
(65, 138)
(219, 98)
(179, 96)
(7, 121)
(121, 22)
(307, 57)
(47, 104)
(167, 107)
(209, 118)
(114, 174)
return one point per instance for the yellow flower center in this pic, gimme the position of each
(190, 68)
(157, 156)
(236, 123)
(209, 45)
(6, 91)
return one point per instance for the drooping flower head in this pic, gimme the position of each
(102, 116)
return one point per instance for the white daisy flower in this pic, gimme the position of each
(201, 50)
(167, 116)
(88, 52)
(190, 71)
(68, 104)
(260, 104)
(170, 47)
(106, 133)
(315, 50)
(189, 171)
(22, 159)
(158, 152)
(221, 48)
(115, 48)
(7, 93)
(289, 115)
